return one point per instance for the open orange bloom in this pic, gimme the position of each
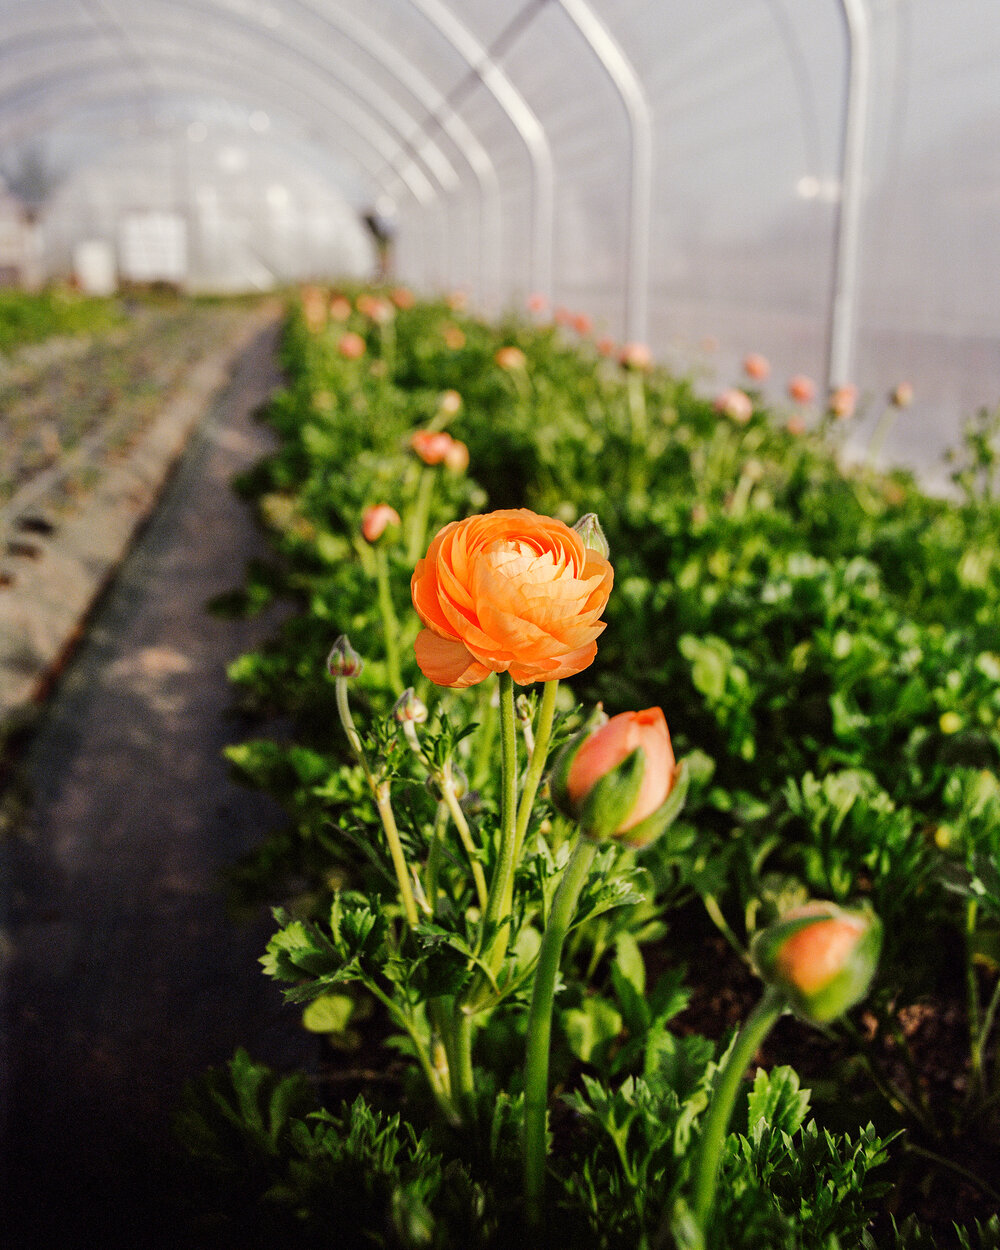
(508, 591)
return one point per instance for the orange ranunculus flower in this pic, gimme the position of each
(508, 591)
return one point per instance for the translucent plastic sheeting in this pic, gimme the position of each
(815, 181)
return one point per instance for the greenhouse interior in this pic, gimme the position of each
(499, 646)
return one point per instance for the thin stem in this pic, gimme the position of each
(952, 1166)
(380, 791)
(390, 622)
(421, 512)
(536, 766)
(434, 856)
(496, 913)
(347, 721)
(447, 784)
(722, 924)
(536, 1065)
(396, 852)
(989, 1018)
(973, 1005)
(893, 1095)
(431, 1073)
(720, 1109)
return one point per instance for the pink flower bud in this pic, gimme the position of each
(756, 366)
(340, 308)
(454, 338)
(616, 779)
(456, 458)
(343, 660)
(510, 358)
(821, 957)
(409, 709)
(606, 346)
(582, 324)
(843, 401)
(351, 346)
(432, 446)
(735, 404)
(796, 425)
(636, 356)
(801, 389)
(450, 403)
(536, 303)
(403, 298)
(376, 520)
(902, 395)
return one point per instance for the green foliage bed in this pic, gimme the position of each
(825, 645)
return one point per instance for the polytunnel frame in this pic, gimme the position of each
(485, 68)
(391, 158)
(372, 136)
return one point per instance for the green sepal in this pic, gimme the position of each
(609, 801)
(647, 831)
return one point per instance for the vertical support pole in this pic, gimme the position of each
(844, 300)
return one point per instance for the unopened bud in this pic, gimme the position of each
(522, 706)
(619, 780)
(408, 709)
(589, 529)
(821, 957)
(343, 660)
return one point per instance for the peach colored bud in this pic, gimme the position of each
(351, 346)
(364, 303)
(454, 338)
(376, 520)
(635, 356)
(801, 389)
(821, 957)
(432, 446)
(608, 747)
(735, 404)
(902, 395)
(313, 308)
(510, 358)
(536, 303)
(606, 346)
(403, 298)
(343, 660)
(582, 324)
(562, 315)
(796, 425)
(340, 308)
(456, 458)
(450, 403)
(756, 366)
(457, 301)
(843, 401)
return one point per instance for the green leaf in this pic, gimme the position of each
(777, 1099)
(591, 1027)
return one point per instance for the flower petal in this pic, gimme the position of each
(447, 662)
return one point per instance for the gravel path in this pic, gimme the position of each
(123, 976)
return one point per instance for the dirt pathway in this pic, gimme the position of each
(122, 974)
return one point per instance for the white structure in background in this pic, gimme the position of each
(209, 210)
(20, 244)
(152, 247)
(94, 268)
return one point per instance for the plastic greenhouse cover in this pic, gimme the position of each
(671, 167)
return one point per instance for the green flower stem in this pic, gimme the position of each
(722, 924)
(716, 1124)
(420, 515)
(390, 622)
(380, 791)
(637, 408)
(463, 1080)
(973, 1005)
(396, 851)
(434, 856)
(989, 1018)
(536, 1066)
(431, 1073)
(536, 767)
(497, 910)
(447, 784)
